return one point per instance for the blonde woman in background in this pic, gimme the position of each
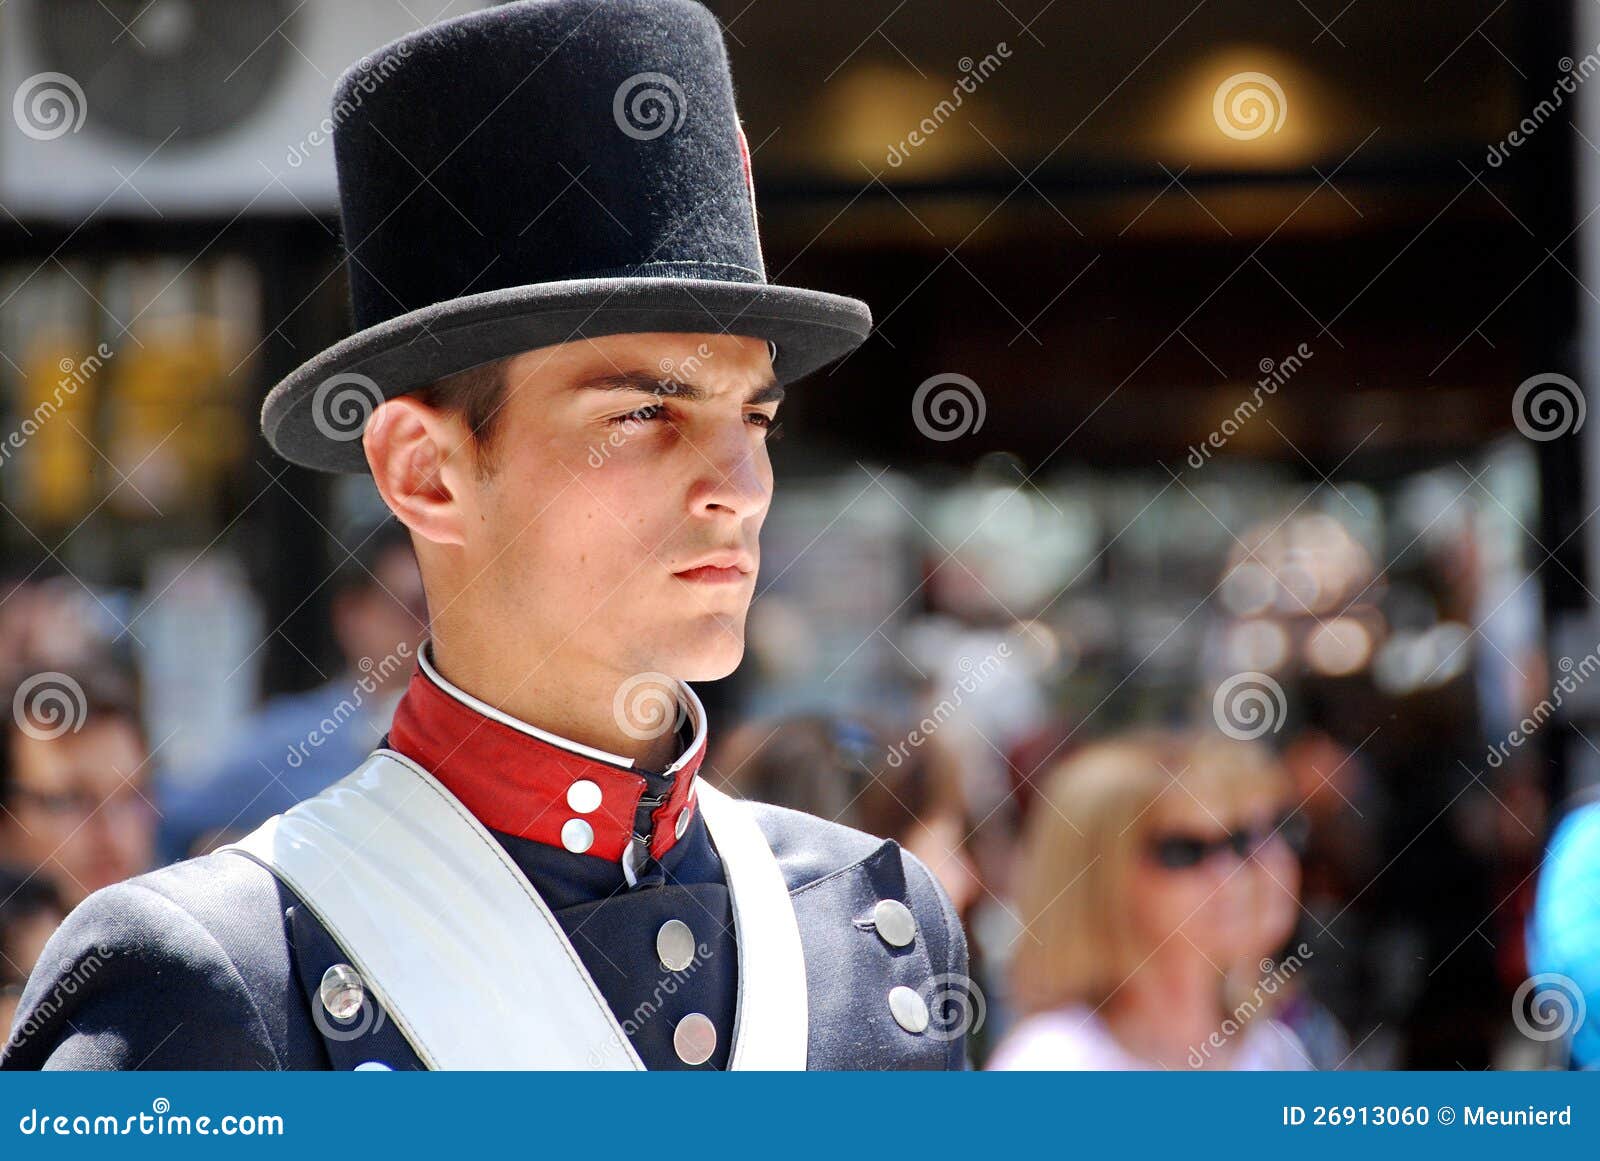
(1144, 882)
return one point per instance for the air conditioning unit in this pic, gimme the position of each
(183, 107)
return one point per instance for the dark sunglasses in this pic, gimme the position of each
(1180, 852)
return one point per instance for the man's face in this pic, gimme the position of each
(622, 466)
(78, 808)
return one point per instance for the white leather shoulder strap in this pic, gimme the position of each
(773, 1020)
(465, 956)
(442, 927)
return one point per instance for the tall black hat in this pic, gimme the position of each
(532, 174)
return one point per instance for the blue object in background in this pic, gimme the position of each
(296, 746)
(1564, 932)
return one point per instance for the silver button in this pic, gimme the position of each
(583, 796)
(577, 836)
(675, 945)
(909, 1009)
(695, 1038)
(894, 922)
(683, 820)
(342, 991)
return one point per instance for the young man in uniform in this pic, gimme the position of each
(568, 364)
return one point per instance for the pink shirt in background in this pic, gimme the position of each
(1077, 1039)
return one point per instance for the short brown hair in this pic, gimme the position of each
(477, 395)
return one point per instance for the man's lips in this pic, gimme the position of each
(711, 574)
(720, 568)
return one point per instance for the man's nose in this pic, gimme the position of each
(735, 477)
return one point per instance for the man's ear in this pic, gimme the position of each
(422, 461)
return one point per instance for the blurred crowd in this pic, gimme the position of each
(1172, 896)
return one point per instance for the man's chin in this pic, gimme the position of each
(709, 650)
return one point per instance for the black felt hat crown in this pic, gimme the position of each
(532, 174)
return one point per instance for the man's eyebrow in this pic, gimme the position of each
(769, 392)
(665, 385)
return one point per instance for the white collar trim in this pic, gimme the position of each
(686, 694)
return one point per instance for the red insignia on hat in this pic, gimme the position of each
(750, 188)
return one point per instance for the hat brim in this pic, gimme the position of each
(315, 417)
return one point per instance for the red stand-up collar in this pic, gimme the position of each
(521, 780)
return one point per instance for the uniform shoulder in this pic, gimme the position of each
(819, 860)
(172, 969)
(811, 849)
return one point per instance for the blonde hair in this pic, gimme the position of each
(1082, 839)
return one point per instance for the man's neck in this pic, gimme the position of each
(620, 714)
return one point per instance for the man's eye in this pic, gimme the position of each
(643, 415)
(763, 420)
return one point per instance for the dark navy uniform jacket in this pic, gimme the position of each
(212, 963)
